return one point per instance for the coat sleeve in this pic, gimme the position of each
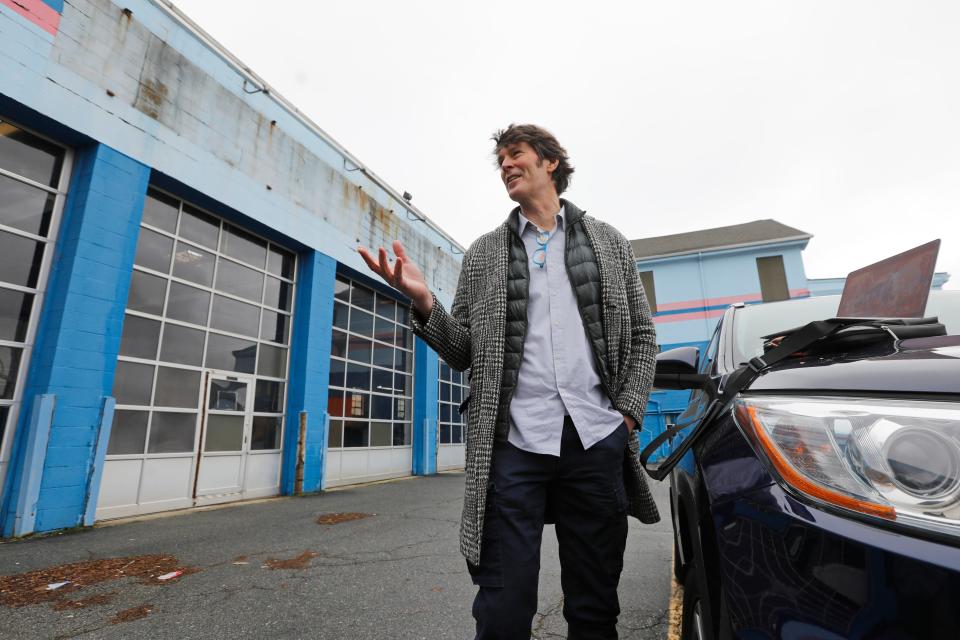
(639, 368)
(449, 333)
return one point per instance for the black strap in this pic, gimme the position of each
(739, 380)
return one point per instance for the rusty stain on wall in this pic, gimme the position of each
(153, 94)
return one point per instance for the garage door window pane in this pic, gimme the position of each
(182, 345)
(335, 437)
(243, 246)
(358, 376)
(275, 327)
(140, 337)
(227, 395)
(160, 211)
(273, 361)
(193, 264)
(224, 433)
(357, 405)
(382, 355)
(133, 383)
(386, 307)
(239, 280)
(359, 349)
(269, 397)
(341, 290)
(384, 330)
(20, 259)
(129, 433)
(361, 322)
(277, 294)
(188, 304)
(382, 381)
(337, 370)
(266, 433)
(25, 207)
(230, 354)
(280, 263)
(362, 297)
(146, 293)
(335, 402)
(154, 251)
(381, 434)
(9, 367)
(356, 434)
(177, 388)
(401, 434)
(380, 407)
(199, 227)
(338, 346)
(340, 315)
(30, 156)
(14, 314)
(172, 432)
(234, 316)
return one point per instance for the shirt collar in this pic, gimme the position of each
(523, 221)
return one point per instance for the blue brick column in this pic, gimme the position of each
(78, 337)
(426, 371)
(309, 370)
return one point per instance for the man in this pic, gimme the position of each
(551, 318)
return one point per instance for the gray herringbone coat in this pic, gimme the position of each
(472, 335)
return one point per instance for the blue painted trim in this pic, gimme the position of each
(99, 457)
(37, 437)
(426, 374)
(309, 371)
(56, 5)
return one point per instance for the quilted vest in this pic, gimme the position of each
(584, 276)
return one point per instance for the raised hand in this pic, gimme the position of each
(403, 275)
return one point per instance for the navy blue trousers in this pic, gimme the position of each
(582, 492)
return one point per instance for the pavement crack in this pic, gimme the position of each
(538, 632)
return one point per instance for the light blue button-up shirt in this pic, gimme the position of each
(558, 375)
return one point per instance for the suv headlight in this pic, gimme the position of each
(893, 459)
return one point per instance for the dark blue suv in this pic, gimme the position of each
(823, 501)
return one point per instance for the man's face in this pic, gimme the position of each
(524, 174)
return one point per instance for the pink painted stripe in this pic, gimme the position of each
(693, 315)
(37, 12)
(713, 302)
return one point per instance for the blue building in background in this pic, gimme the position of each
(690, 278)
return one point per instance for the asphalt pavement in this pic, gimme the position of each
(372, 561)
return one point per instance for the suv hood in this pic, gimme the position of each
(927, 365)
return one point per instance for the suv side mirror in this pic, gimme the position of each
(677, 369)
(679, 360)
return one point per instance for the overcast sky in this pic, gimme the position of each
(837, 117)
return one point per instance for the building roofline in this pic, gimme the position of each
(726, 247)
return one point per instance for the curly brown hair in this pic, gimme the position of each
(544, 144)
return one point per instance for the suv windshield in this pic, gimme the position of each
(755, 321)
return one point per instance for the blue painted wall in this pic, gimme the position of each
(426, 373)
(79, 331)
(309, 370)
